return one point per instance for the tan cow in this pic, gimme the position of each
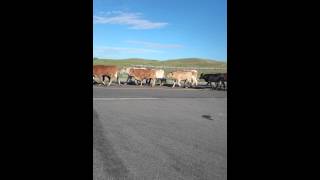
(178, 76)
(159, 76)
(101, 71)
(195, 76)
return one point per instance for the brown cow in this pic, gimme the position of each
(159, 73)
(178, 76)
(126, 70)
(101, 71)
(142, 74)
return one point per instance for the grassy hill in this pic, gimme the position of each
(168, 65)
(186, 62)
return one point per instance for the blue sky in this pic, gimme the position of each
(160, 29)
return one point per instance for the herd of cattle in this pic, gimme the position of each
(151, 76)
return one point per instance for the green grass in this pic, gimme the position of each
(187, 62)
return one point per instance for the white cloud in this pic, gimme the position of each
(133, 20)
(155, 45)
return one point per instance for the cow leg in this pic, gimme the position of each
(127, 80)
(174, 84)
(179, 84)
(224, 85)
(138, 82)
(109, 84)
(96, 79)
(218, 85)
(161, 80)
(215, 85)
(102, 80)
(184, 84)
(110, 81)
(99, 80)
(153, 82)
(118, 79)
(190, 83)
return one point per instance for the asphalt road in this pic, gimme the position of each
(132, 91)
(159, 133)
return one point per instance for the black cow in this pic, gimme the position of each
(218, 79)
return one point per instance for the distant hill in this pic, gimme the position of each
(185, 62)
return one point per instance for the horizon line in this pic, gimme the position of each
(101, 58)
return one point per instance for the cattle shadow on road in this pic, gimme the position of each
(113, 166)
(207, 117)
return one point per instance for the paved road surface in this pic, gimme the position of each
(159, 133)
(156, 92)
